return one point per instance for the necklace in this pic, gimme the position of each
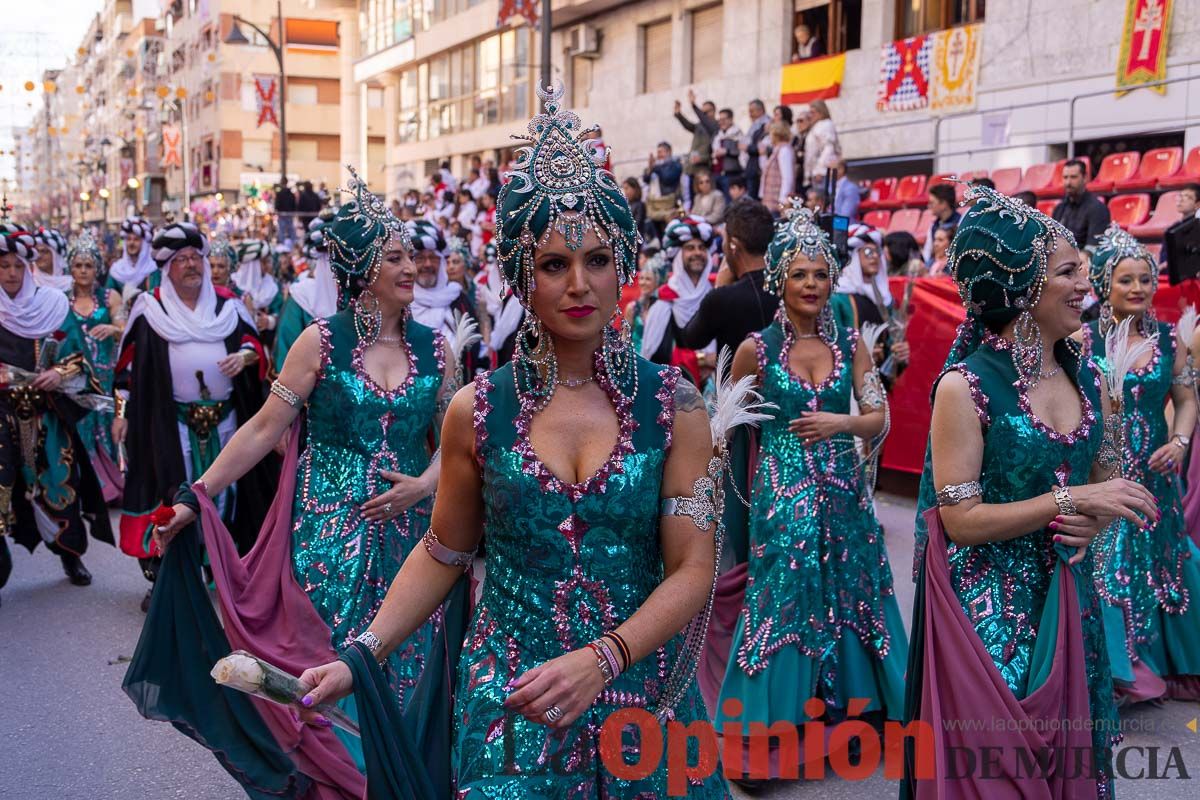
(574, 383)
(389, 341)
(1057, 369)
(808, 335)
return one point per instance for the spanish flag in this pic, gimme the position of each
(814, 79)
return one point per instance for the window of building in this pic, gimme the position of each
(374, 97)
(479, 84)
(302, 149)
(706, 43)
(302, 94)
(925, 16)
(656, 56)
(383, 23)
(834, 26)
(256, 152)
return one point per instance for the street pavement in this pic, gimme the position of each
(67, 731)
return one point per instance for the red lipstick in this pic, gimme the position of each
(579, 311)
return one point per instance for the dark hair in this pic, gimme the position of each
(1194, 188)
(728, 111)
(988, 182)
(448, 196)
(1026, 197)
(759, 103)
(785, 113)
(750, 223)
(944, 192)
(633, 184)
(949, 229)
(738, 181)
(445, 165)
(1075, 162)
(900, 246)
(664, 144)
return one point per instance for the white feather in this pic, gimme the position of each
(734, 403)
(1186, 327)
(1122, 356)
(871, 333)
(465, 334)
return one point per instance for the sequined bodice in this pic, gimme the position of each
(355, 428)
(99, 352)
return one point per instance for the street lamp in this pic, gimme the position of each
(235, 36)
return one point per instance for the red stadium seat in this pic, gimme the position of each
(923, 226)
(1046, 206)
(1189, 174)
(1164, 216)
(882, 190)
(1115, 167)
(910, 193)
(878, 218)
(905, 219)
(1128, 210)
(1162, 162)
(1155, 249)
(1007, 179)
(1055, 187)
(1036, 178)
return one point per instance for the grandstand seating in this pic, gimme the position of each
(1189, 173)
(1046, 206)
(1036, 179)
(881, 191)
(1164, 216)
(1115, 167)
(878, 218)
(910, 193)
(1128, 210)
(1007, 179)
(924, 222)
(1157, 164)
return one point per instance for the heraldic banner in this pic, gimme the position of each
(266, 99)
(955, 68)
(172, 138)
(904, 74)
(1143, 55)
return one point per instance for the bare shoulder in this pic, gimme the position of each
(687, 397)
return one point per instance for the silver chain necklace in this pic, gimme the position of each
(574, 383)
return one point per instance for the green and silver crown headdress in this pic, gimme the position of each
(457, 244)
(558, 184)
(222, 247)
(798, 234)
(358, 235)
(86, 245)
(1115, 245)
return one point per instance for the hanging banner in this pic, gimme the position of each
(955, 68)
(904, 74)
(1143, 55)
(266, 99)
(528, 9)
(172, 149)
(813, 79)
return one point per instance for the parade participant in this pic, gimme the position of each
(135, 268)
(819, 618)
(460, 268)
(99, 317)
(359, 503)
(687, 242)
(1147, 576)
(48, 490)
(863, 296)
(260, 289)
(189, 372)
(561, 640)
(50, 268)
(312, 297)
(437, 299)
(222, 261)
(1007, 626)
(502, 310)
(651, 276)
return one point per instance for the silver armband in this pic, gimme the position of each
(1109, 455)
(955, 493)
(872, 397)
(444, 555)
(286, 395)
(702, 505)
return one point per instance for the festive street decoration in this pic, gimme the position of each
(904, 74)
(812, 79)
(1143, 54)
(266, 99)
(528, 9)
(955, 68)
(172, 139)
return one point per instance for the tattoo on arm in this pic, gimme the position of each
(450, 387)
(687, 397)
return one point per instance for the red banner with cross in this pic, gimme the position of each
(172, 143)
(266, 99)
(1143, 54)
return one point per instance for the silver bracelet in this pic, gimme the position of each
(286, 395)
(1064, 501)
(955, 493)
(444, 555)
(372, 642)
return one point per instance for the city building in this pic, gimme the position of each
(455, 86)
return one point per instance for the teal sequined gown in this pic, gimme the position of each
(819, 617)
(355, 429)
(565, 563)
(1003, 585)
(95, 430)
(1147, 579)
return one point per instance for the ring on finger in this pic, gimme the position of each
(387, 509)
(553, 714)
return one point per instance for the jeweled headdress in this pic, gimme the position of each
(1115, 245)
(456, 244)
(798, 234)
(558, 184)
(358, 236)
(223, 248)
(86, 245)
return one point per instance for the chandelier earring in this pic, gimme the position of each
(1027, 349)
(1106, 317)
(827, 325)
(1148, 325)
(536, 366)
(618, 357)
(368, 319)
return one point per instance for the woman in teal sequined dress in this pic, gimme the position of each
(1007, 626)
(819, 618)
(99, 316)
(375, 384)
(1147, 578)
(562, 459)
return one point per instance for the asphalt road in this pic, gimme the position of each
(67, 732)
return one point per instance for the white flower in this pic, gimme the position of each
(240, 671)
